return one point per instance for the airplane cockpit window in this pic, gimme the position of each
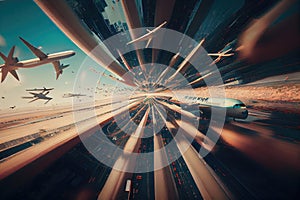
(239, 105)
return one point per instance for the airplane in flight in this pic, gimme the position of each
(220, 55)
(36, 96)
(148, 36)
(12, 63)
(106, 75)
(235, 108)
(68, 95)
(44, 89)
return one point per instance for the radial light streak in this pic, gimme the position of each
(200, 171)
(117, 178)
(186, 60)
(201, 78)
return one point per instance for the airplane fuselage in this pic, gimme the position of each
(73, 95)
(37, 61)
(42, 96)
(234, 107)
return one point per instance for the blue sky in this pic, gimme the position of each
(24, 18)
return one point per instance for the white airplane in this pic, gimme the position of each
(44, 89)
(221, 54)
(37, 96)
(12, 63)
(234, 107)
(106, 75)
(68, 95)
(148, 36)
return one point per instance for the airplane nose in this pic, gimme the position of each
(245, 113)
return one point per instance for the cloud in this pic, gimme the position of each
(17, 52)
(2, 41)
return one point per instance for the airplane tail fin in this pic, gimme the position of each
(9, 60)
(3, 57)
(14, 73)
(4, 70)
(4, 73)
(62, 66)
(58, 73)
(58, 68)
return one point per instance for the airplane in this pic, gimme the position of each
(106, 75)
(12, 63)
(235, 108)
(40, 89)
(12, 107)
(220, 54)
(148, 36)
(67, 95)
(36, 96)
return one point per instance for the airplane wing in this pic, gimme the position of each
(142, 38)
(214, 54)
(40, 89)
(41, 55)
(226, 51)
(58, 71)
(222, 53)
(47, 101)
(227, 55)
(33, 100)
(147, 35)
(158, 27)
(33, 93)
(148, 43)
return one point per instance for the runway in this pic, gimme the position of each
(251, 137)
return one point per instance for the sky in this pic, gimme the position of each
(24, 18)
